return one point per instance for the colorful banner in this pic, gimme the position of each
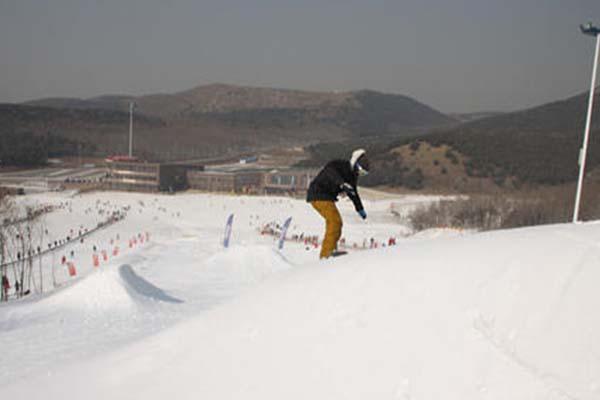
(284, 230)
(228, 228)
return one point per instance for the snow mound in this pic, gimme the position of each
(114, 289)
(141, 288)
(504, 315)
(248, 264)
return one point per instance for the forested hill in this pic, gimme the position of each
(216, 120)
(31, 134)
(364, 112)
(538, 145)
(534, 146)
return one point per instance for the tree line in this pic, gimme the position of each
(29, 149)
(537, 158)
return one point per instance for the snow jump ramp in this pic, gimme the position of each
(111, 289)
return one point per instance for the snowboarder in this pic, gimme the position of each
(336, 177)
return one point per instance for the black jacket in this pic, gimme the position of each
(327, 185)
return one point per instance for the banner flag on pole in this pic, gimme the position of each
(284, 230)
(228, 227)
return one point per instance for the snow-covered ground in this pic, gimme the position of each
(441, 315)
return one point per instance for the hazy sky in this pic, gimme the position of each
(455, 55)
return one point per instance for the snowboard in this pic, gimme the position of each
(338, 253)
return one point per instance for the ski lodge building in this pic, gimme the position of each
(138, 176)
(292, 182)
(147, 177)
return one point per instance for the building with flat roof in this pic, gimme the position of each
(288, 181)
(226, 181)
(293, 182)
(147, 177)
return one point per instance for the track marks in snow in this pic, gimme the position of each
(505, 346)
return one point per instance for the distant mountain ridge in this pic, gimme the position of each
(222, 98)
(212, 119)
(214, 98)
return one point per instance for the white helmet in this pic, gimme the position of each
(363, 166)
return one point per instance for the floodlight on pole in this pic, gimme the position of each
(131, 107)
(587, 29)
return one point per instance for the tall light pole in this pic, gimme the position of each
(131, 107)
(594, 31)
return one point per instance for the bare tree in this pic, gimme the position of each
(7, 212)
(21, 237)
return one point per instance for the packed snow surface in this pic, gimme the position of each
(441, 315)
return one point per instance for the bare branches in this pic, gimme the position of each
(20, 230)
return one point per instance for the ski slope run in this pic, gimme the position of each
(499, 315)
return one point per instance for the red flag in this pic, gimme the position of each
(72, 270)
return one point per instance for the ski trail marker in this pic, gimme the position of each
(228, 228)
(284, 230)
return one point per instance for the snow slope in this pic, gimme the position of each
(499, 315)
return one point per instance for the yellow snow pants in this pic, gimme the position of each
(333, 225)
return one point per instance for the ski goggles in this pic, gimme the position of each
(361, 171)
